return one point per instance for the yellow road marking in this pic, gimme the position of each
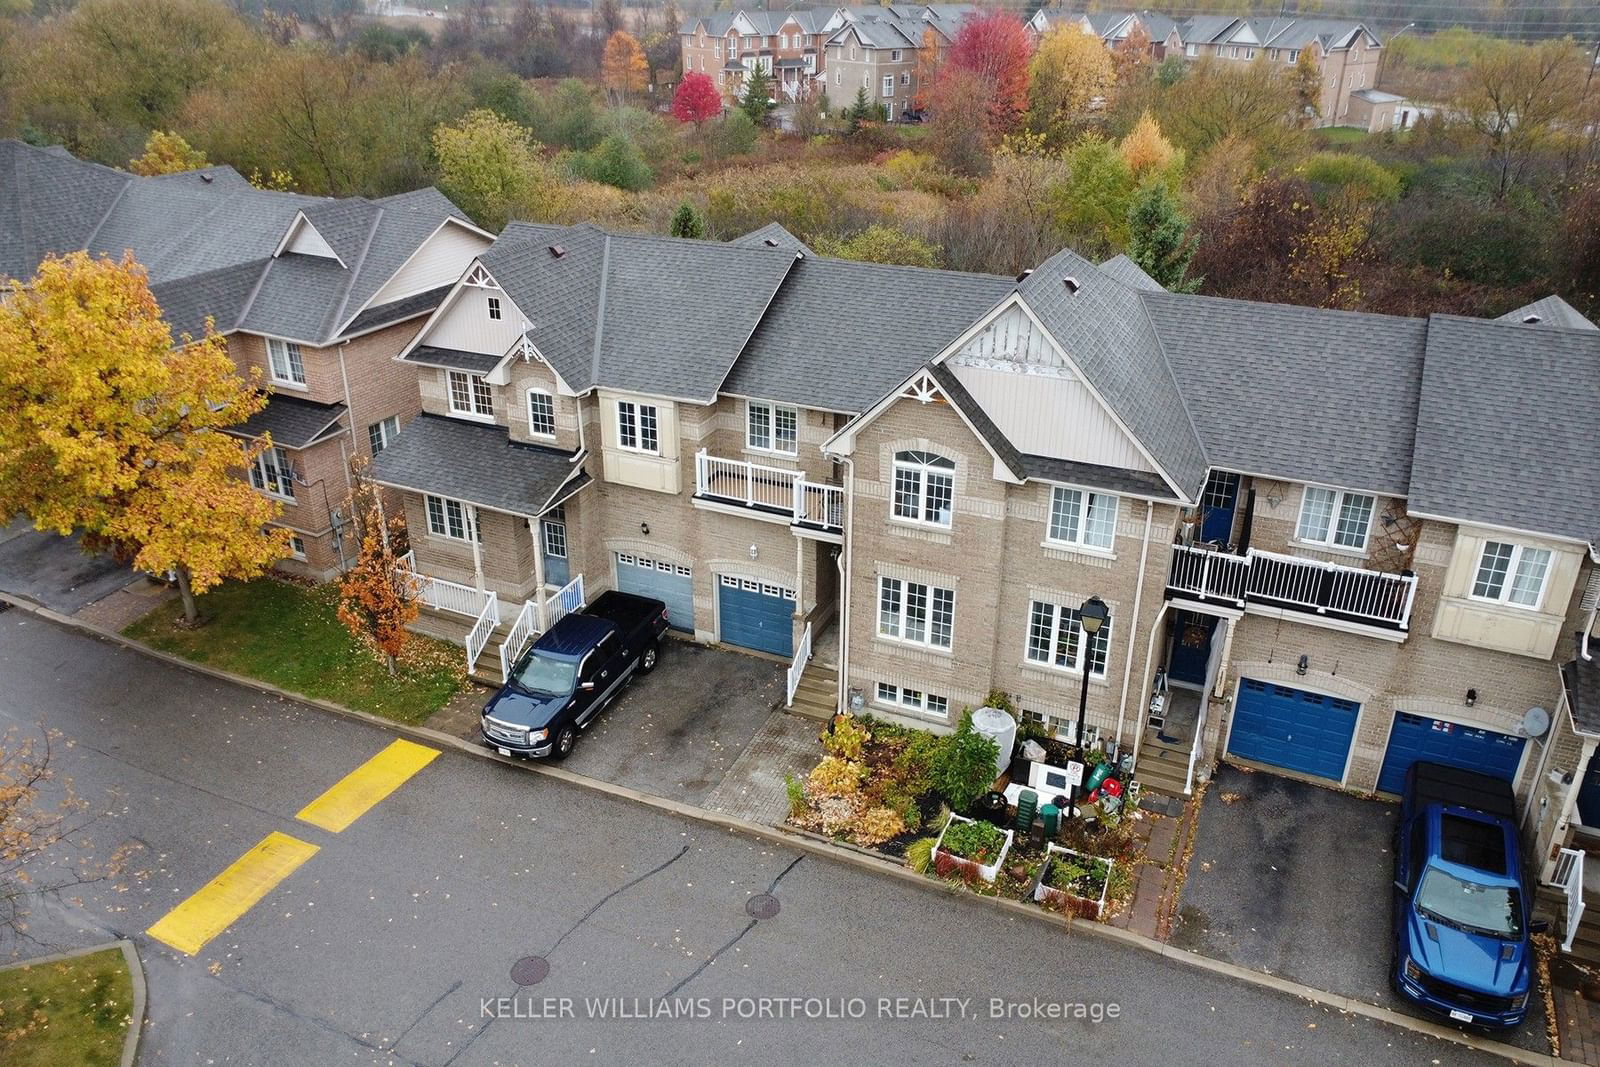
(221, 901)
(354, 794)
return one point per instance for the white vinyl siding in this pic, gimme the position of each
(284, 360)
(924, 488)
(637, 427)
(1056, 640)
(915, 613)
(541, 413)
(1332, 517)
(772, 428)
(272, 474)
(471, 395)
(1079, 517)
(1511, 574)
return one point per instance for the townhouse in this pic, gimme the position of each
(876, 49)
(317, 294)
(728, 45)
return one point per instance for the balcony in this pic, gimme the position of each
(770, 491)
(1289, 583)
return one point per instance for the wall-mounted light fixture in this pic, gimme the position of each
(1472, 697)
(754, 552)
(1303, 665)
(644, 528)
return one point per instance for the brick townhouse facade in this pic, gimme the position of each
(317, 295)
(1324, 551)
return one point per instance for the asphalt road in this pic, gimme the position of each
(385, 945)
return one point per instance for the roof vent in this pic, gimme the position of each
(1071, 284)
(1024, 275)
(207, 178)
(557, 251)
(1532, 320)
(769, 242)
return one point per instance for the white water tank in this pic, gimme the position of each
(1000, 728)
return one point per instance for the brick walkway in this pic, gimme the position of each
(1577, 1017)
(1155, 875)
(754, 786)
(127, 604)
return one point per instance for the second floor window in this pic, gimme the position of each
(637, 427)
(1332, 517)
(1294, 57)
(924, 487)
(471, 395)
(271, 473)
(541, 413)
(1511, 574)
(1079, 517)
(285, 362)
(888, 85)
(494, 307)
(771, 428)
(915, 613)
(894, 55)
(1056, 640)
(380, 435)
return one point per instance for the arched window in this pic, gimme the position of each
(924, 485)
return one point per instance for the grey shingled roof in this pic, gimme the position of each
(476, 463)
(841, 334)
(1550, 311)
(293, 421)
(1581, 679)
(219, 294)
(454, 358)
(1096, 476)
(1104, 329)
(1130, 274)
(1507, 427)
(772, 235)
(410, 307)
(1296, 393)
(211, 227)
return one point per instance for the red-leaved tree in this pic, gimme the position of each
(994, 48)
(697, 99)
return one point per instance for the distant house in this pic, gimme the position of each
(876, 49)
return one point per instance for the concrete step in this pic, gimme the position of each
(1161, 779)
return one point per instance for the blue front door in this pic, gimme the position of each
(1217, 503)
(555, 548)
(1417, 737)
(1191, 647)
(1293, 729)
(756, 615)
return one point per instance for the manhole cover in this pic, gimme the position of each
(761, 906)
(530, 970)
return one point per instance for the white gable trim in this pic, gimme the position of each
(475, 269)
(745, 27)
(302, 237)
(415, 252)
(1015, 300)
(528, 352)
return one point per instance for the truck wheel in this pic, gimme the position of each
(647, 662)
(565, 740)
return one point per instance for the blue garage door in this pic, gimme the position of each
(755, 615)
(1417, 737)
(665, 581)
(1293, 729)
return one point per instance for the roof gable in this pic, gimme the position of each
(304, 239)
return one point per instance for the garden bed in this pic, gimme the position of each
(970, 849)
(1072, 882)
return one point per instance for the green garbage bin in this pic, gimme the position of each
(1052, 819)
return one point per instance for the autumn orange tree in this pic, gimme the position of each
(623, 68)
(375, 602)
(110, 427)
(167, 153)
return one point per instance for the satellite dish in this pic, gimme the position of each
(1535, 723)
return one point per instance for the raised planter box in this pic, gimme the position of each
(1087, 907)
(985, 871)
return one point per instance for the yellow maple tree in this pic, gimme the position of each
(167, 153)
(111, 426)
(1146, 149)
(623, 68)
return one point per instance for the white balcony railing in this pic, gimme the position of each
(1569, 876)
(1306, 585)
(770, 489)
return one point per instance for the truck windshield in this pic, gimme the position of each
(538, 675)
(1495, 910)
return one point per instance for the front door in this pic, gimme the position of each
(554, 527)
(1217, 503)
(1190, 653)
(1589, 794)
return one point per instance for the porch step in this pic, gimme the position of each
(1163, 767)
(1586, 946)
(817, 695)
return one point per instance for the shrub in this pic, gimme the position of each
(735, 135)
(919, 854)
(980, 842)
(963, 767)
(834, 777)
(1080, 876)
(877, 825)
(615, 161)
(846, 738)
(797, 795)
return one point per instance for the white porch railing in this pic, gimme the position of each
(561, 603)
(797, 666)
(774, 489)
(1307, 585)
(521, 631)
(488, 620)
(1569, 876)
(1199, 742)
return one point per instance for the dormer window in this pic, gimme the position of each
(494, 308)
(470, 395)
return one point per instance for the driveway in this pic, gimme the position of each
(677, 731)
(1293, 879)
(55, 571)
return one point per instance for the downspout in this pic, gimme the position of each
(1149, 656)
(844, 579)
(1138, 596)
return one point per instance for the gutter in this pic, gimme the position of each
(845, 559)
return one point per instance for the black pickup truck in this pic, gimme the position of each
(573, 671)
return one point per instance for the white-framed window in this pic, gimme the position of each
(717, 50)
(852, 52)
(1511, 574)
(637, 427)
(905, 77)
(1056, 640)
(888, 85)
(452, 519)
(894, 55)
(1294, 56)
(898, 696)
(380, 435)
(915, 613)
(541, 413)
(297, 547)
(555, 532)
(1063, 728)
(471, 395)
(272, 474)
(924, 487)
(1191, 50)
(1334, 517)
(285, 362)
(1249, 53)
(772, 427)
(494, 307)
(1080, 517)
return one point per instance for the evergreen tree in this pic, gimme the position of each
(860, 111)
(757, 99)
(686, 222)
(1158, 239)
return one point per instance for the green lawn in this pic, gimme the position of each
(1341, 135)
(289, 635)
(72, 1012)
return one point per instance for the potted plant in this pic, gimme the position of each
(1072, 881)
(970, 848)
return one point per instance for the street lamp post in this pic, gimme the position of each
(1091, 617)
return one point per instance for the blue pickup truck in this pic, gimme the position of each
(571, 673)
(1461, 923)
